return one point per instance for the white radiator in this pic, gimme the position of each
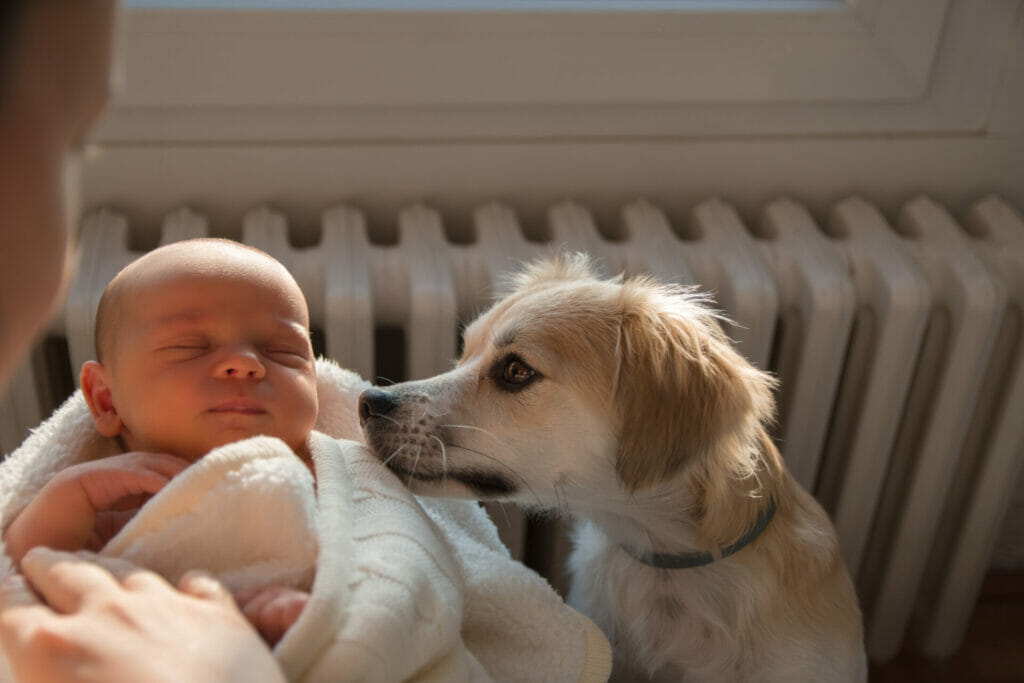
(898, 346)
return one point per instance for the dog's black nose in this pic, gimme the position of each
(375, 403)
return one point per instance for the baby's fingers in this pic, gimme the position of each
(161, 463)
(272, 609)
(252, 602)
(110, 481)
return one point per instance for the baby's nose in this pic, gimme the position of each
(241, 364)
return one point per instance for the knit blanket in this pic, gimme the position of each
(401, 588)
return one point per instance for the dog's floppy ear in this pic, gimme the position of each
(681, 387)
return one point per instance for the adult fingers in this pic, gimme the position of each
(21, 614)
(130, 576)
(63, 580)
(200, 584)
(15, 592)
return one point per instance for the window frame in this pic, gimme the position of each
(824, 67)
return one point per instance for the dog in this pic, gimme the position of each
(623, 402)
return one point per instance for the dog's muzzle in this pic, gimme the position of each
(416, 450)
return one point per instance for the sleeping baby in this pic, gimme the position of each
(206, 436)
(199, 344)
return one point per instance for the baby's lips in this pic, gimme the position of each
(239, 405)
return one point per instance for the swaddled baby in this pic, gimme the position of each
(199, 344)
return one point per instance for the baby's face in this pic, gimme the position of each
(204, 359)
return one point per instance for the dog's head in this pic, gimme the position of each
(572, 383)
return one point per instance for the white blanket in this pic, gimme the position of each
(401, 588)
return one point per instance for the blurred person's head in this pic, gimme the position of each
(55, 58)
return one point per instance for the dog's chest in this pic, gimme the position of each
(667, 623)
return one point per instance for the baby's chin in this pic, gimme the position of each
(194, 453)
(194, 449)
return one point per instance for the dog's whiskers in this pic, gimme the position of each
(561, 499)
(397, 451)
(511, 471)
(481, 454)
(444, 456)
(415, 463)
(390, 419)
(501, 506)
(479, 429)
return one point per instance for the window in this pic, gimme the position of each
(692, 69)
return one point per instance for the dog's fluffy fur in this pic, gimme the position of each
(624, 403)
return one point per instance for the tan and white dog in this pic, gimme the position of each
(624, 403)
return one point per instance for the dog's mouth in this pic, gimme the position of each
(421, 452)
(482, 483)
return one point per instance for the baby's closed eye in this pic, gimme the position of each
(289, 355)
(191, 347)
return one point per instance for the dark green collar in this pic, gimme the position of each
(699, 559)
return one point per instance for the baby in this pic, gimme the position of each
(199, 344)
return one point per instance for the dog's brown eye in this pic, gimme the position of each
(517, 372)
(512, 373)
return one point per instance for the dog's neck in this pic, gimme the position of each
(691, 559)
(661, 519)
(687, 514)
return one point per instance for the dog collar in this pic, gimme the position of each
(699, 559)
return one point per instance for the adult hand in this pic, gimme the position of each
(83, 506)
(108, 621)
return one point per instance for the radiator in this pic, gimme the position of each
(898, 346)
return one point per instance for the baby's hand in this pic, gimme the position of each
(83, 505)
(272, 609)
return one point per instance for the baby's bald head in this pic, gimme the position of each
(202, 343)
(204, 257)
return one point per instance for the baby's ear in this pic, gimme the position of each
(96, 390)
